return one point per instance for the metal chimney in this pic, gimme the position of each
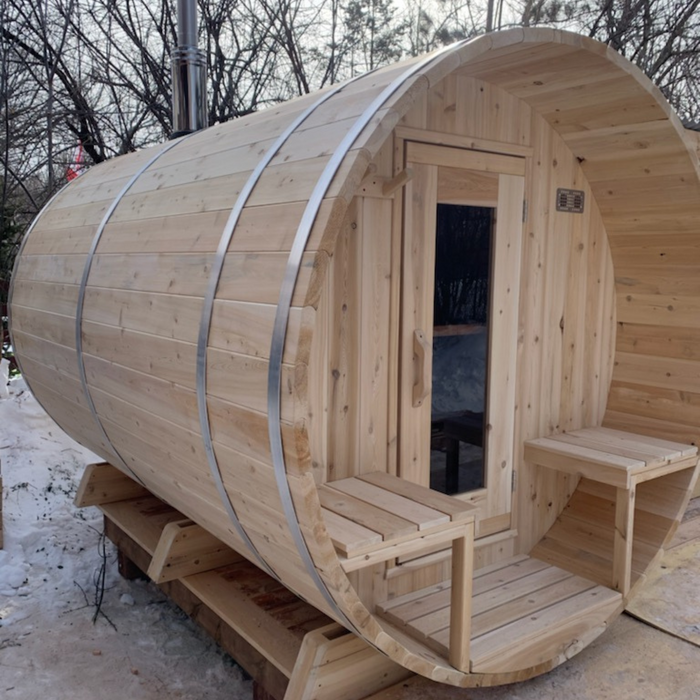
(189, 69)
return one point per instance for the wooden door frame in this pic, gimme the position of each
(417, 256)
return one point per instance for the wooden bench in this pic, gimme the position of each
(377, 517)
(621, 460)
(468, 428)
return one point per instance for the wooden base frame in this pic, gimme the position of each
(290, 649)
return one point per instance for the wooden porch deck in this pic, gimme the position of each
(524, 612)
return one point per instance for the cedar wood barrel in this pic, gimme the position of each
(222, 316)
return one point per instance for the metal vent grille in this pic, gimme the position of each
(570, 200)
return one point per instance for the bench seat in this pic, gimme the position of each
(376, 517)
(621, 460)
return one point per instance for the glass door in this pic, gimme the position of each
(463, 247)
(459, 310)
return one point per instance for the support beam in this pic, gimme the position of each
(102, 483)
(184, 549)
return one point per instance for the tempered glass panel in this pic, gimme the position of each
(460, 346)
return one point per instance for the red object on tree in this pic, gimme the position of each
(78, 165)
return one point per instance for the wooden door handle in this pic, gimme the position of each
(421, 355)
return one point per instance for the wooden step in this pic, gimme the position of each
(524, 612)
(291, 649)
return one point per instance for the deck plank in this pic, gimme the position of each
(522, 609)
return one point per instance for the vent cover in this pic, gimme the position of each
(570, 200)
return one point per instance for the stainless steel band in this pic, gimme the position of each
(81, 300)
(208, 308)
(284, 308)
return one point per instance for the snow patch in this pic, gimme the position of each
(142, 647)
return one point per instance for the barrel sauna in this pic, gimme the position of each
(245, 321)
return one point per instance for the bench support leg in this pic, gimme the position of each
(461, 601)
(624, 536)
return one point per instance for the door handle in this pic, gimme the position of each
(421, 354)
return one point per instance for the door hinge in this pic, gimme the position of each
(524, 210)
(513, 481)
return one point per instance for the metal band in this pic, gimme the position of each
(284, 306)
(81, 300)
(207, 310)
(10, 293)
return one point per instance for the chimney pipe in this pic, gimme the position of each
(189, 70)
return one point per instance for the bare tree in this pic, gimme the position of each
(661, 36)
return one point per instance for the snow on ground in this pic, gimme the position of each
(50, 649)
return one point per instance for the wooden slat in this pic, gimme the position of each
(508, 572)
(460, 158)
(457, 510)
(442, 138)
(461, 600)
(408, 509)
(492, 649)
(407, 545)
(185, 548)
(348, 536)
(524, 606)
(102, 483)
(611, 469)
(654, 444)
(616, 447)
(623, 540)
(387, 525)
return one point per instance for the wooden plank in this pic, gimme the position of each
(609, 468)
(623, 540)
(102, 483)
(165, 358)
(461, 600)
(57, 328)
(613, 446)
(334, 664)
(654, 473)
(343, 328)
(504, 573)
(663, 372)
(347, 535)
(458, 141)
(614, 143)
(402, 546)
(185, 548)
(655, 445)
(412, 510)
(492, 651)
(143, 518)
(655, 407)
(373, 349)
(523, 582)
(502, 361)
(45, 296)
(467, 187)
(518, 609)
(248, 656)
(677, 343)
(430, 619)
(429, 154)
(257, 277)
(160, 314)
(52, 355)
(459, 511)
(418, 273)
(387, 525)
